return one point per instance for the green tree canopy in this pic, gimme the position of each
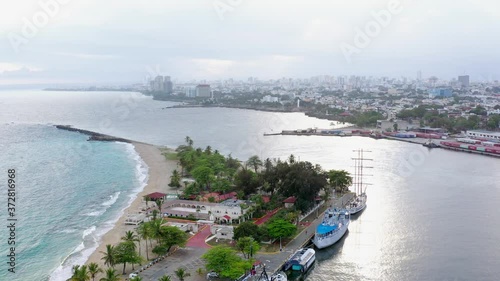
(175, 179)
(247, 246)
(245, 229)
(280, 228)
(80, 273)
(110, 275)
(125, 253)
(340, 180)
(203, 175)
(254, 162)
(225, 262)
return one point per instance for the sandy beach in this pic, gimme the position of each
(160, 170)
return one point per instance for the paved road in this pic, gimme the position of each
(188, 258)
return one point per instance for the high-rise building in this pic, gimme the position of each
(158, 84)
(203, 91)
(464, 80)
(419, 75)
(168, 85)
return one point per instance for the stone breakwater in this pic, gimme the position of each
(93, 136)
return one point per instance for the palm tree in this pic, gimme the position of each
(130, 237)
(175, 179)
(110, 275)
(181, 273)
(189, 141)
(80, 273)
(143, 233)
(254, 162)
(94, 269)
(165, 278)
(109, 256)
(159, 202)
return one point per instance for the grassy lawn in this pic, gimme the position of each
(169, 154)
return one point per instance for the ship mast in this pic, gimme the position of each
(358, 171)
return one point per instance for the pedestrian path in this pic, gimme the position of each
(266, 217)
(198, 240)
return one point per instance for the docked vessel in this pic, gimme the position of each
(333, 227)
(358, 202)
(301, 260)
(430, 144)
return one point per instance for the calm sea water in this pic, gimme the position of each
(431, 215)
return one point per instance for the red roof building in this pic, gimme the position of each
(289, 201)
(156, 195)
(226, 196)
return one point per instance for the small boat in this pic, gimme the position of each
(301, 260)
(430, 144)
(333, 227)
(280, 276)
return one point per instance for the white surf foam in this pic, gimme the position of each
(93, 235)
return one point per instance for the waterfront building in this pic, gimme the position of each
(484, 134)
(229, 211)
(203, 91)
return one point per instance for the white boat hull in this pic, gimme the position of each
(329, 240)
(358, 205)
(279, 277)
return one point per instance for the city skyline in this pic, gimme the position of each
(65, 42)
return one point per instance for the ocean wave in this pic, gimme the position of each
(79, 255)
(112, 199)
(93, 234)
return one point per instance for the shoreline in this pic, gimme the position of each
(159, 171)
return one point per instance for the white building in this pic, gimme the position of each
(269, 98)
(224, 212)
(203, 91)
(222, 231)
(484, 134)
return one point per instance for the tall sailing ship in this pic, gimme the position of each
(358, 202)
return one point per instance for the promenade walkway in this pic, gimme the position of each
(266, 217)
(198, 240)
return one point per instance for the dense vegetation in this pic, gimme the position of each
(429, 116)
(213, 172)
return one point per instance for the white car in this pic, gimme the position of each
(132, 275)
(212, 275)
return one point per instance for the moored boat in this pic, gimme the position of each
(333, 227)
(357, 204)
(301, 260)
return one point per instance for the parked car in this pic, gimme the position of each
(133, 274)
(211, 275)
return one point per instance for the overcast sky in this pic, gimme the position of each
(117, 41)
